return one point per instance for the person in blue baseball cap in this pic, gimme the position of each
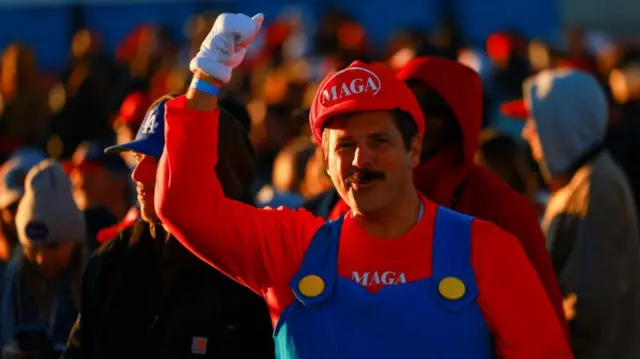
(147, 146)
(149, 274)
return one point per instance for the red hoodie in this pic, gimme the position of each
(263, 249)
(453, 173)
(483, 194)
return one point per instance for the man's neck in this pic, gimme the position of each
(395, 220)
(159, 230)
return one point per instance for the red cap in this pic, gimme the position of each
(361, 87)
(515, 109)
(133, 109)
(499, 46)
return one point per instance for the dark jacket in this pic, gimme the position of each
(151, 298)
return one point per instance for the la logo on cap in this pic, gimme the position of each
(150, 124)
(347, 83)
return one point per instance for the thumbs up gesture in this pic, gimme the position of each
(226, 45)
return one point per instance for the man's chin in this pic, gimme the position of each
(363, 204)
(148, 215)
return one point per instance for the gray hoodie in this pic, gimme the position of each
(590, 222)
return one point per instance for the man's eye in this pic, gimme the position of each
(345, 145)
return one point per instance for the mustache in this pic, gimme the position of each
(364, 175)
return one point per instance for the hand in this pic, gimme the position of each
(569, 306)
(226, 45)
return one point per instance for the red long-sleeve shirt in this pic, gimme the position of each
(263, 249)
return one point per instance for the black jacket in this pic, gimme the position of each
(146, 297)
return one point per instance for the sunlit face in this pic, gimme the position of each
(51, 259)
(368, 161)
(144, 175)
(530, 134)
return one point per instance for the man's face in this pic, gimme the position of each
(367, 160)
(51, 259)
(144, 175)
(530, 134)
(437, 134)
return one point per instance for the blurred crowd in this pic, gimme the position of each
(98, 101)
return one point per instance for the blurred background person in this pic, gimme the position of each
(40, 292)
(590, 221)
(101, 186)
(12, 187)
(506, 158)
(623, 136)
(24, 111)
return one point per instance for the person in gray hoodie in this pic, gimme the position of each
(590, 220)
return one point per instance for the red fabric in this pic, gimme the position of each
(340, 209)
(499, 47)
(484, 195)
(133, 109)
(361, 87)
(263, 249)
(515, 109)
(108, 233)
(139, 36)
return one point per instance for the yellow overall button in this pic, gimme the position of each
(311, 286)
(451, 288)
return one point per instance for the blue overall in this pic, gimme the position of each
(409, 320)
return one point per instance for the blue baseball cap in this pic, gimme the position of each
(150, 137)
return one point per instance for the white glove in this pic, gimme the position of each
(225, 46)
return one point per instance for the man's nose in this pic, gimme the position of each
(142, 172)
(363, 157)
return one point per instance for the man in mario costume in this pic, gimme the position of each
(397, 276)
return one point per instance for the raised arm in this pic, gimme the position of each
(255, 247)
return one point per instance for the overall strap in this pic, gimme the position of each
(315, 280)
(453, 275)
